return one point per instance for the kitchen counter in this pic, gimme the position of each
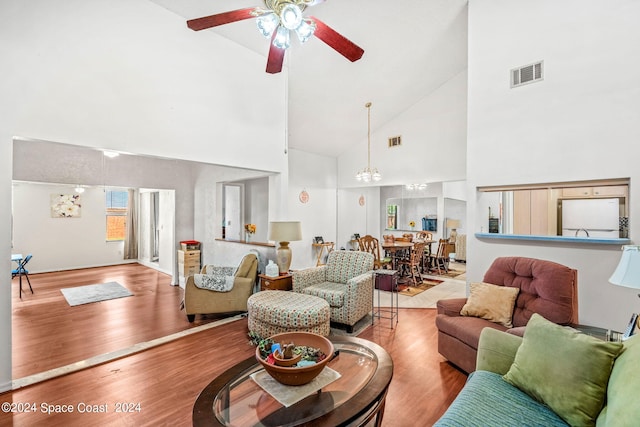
(565, 239)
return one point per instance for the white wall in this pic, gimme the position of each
(433, 141)
(356, 218)
(317, 175)
(61, 243)
(128, 76)
(579, 123)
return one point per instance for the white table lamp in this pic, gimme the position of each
(284, 232)
(628, 271)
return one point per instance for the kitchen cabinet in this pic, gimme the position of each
(531, 212)
(600, 191)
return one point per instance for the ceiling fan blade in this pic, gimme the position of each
(337, 41)
(275, 60)
(314, 2)
(223, 18)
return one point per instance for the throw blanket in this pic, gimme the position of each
(219, 279)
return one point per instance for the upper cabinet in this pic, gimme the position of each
(600, 191)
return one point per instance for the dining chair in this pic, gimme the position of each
(414, 262)
(440, 260)
(22, 271)
(370, 244)
(426, 236)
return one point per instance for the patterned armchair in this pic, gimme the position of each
(345, 282)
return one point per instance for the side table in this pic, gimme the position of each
(596, 332)
(284, 282)
(320, 249)
(390, 277)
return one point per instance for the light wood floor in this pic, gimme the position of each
(166, 380)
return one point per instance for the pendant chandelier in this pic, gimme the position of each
(368, 174)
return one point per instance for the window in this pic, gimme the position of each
(116, 211)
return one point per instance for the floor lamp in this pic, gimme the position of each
(284, 232)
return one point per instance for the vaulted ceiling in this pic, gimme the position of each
(412, 47)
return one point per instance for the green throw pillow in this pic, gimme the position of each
(624, 388)
(564, 369)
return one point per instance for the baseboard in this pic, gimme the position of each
(81, 267)
(5, 386)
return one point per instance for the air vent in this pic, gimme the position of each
(395, 141)
(528, 74)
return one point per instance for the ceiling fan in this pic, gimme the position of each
(276, 23)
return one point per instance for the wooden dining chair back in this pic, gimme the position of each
(424, 235)
(389, 238)
(408, 236)
(402, 239)
(414, 262)
(370, 244)
(440, 259)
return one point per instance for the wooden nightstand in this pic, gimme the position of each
(284, 282)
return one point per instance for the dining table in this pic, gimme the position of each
(399, 249)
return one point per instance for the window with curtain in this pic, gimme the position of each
(116, 212)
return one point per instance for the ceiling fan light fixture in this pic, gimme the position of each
(305, 30)
(282, 39)
(291, 16)
(267, 24)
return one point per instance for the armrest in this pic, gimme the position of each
(451, 306)
(356, 282)
(307, 277)
(196, 298)
(496, 350)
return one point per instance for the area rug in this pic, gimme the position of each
(95, 293)
(411, 291)
(451, 273)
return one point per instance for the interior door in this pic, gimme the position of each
(233, 212)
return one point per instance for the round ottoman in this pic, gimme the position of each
(274, 312)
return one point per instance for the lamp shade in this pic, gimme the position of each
(285, 231)
(453, 223)
(628, 271)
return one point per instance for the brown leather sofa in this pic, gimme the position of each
(205, 301)
(546, 288)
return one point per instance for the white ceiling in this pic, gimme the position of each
(411, 48)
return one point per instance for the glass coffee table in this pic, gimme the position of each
(356, 398)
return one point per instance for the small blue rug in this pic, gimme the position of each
(95, 293)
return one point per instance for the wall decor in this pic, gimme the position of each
(65, 206)
(304, 196)
(361, 200)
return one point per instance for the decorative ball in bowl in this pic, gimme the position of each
(298, 375)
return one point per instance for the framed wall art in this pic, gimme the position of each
(65, 206)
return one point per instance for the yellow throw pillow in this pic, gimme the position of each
(491, 302)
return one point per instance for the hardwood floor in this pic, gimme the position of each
(166, 380)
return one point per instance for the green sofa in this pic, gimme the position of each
(487, 399)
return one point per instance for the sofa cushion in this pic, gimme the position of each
(333, 293)
(623, 389)
(488, 400)
(546, 288)
(491, 302)
(563, 368)
(465, 329)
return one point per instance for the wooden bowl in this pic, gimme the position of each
(298, 375)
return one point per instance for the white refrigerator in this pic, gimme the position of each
(591, 218)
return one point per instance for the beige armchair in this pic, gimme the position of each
(206, 301)
(345, 282)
